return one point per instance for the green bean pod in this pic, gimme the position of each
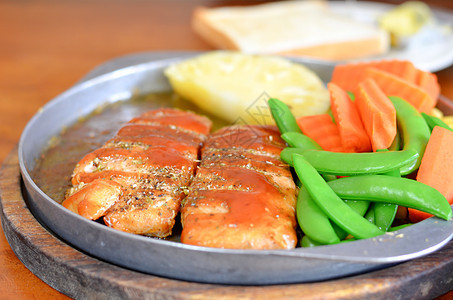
(384, 213)
(283, 117)
(433, 121)
(328, 201)
(313, 221)
(306, 241)
(370, 214)
(396, 144)
(415, 132)
(391, 229)
(359, 207)
(349, 240)
(350, 164)
(328, 177)
(388, 189)
(300, 140)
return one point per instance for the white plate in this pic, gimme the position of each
(433, 56)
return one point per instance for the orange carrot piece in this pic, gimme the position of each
(428, 82)
(348, 76)
(436, 168)
(322, 130)
(378, 114)
(352, 133)
(401, 68)
(393, 85)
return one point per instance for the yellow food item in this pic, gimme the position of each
(439, 114)
(448, 120)
(236, 86)
(405, 20)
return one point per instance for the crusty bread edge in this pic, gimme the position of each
(212, 35)
(344, 50)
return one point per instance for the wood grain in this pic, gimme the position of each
(47, 45)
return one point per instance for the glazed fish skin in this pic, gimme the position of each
(243, 195)
(92, 200)
(137, 180)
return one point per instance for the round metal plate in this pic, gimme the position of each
(144, 72)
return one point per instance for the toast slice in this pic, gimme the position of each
(298, 28)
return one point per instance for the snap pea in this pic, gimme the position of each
(388, 189)
(349, 240)
(396, 144)
(308, 242)
(384, 213)
(330, 203)
(359, 207)
(370, 214)
(414, 131)
(313, 221)
(283, 117)
(391, 229)
(349, 164)
(300, 140)
(328, 177)
(434, 121)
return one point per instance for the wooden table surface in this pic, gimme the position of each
(46, 46)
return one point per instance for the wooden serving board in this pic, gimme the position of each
(81, 276)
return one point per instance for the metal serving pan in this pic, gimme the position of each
(120, 78)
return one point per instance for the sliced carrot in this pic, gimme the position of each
(428, 82)
(436, 168)
(393, 85)
(401, 68)
(323, 130)
(378, 114)
(348, 76)
(352, 133)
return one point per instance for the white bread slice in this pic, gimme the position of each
(303, 28)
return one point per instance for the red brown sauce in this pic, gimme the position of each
(249, 208)
(53, 171)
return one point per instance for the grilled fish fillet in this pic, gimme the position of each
(243, 195)
(137, 180)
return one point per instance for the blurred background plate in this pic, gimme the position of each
(434, 55)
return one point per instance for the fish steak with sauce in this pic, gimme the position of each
(243, 196)
(137, 180)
